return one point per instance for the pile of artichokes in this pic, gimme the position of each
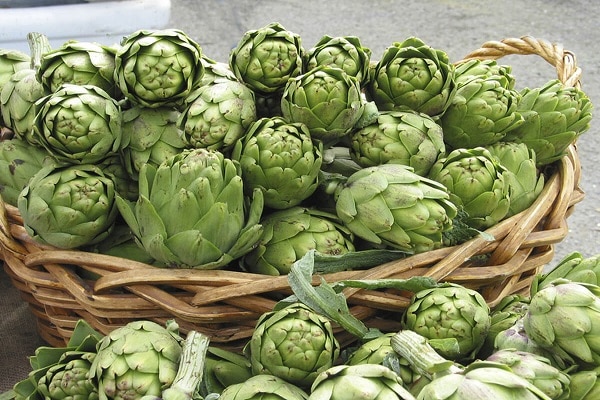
(539, 345)
(200, 160)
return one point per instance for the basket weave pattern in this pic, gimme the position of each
(226, 304)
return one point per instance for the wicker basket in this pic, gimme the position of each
(226, 304)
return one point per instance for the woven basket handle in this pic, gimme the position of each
(563, 60)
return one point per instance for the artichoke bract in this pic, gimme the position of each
(402, 137)
(281, 159)
(289, 234)
(483, 111)
(192, 211)
(555, 115)
(327, 100)
(345, 52)
(585, 384)
(564, 317)
(138, 359)
(477, 183)
(156, 68)
(217, 114)
(359, 382)
(79, 124)
(413, 75)
(19, 162)
(150, 136)
(263, 386)
(265, 58)
(390, 204)
(79, 63)
(68, 206)
(523, 177)
(293, 343)
(450, 313)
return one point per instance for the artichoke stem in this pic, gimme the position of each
(38, 46)
(419, 353)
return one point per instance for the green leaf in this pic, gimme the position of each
(413, 284)
(355, 260)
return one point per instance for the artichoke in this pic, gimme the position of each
(477, 183)
(217, 115)
(402, 137)
(359, 382)
(263, 386)
(413, 75)
(327, 100)
(482, 112)
(289, 234)
(503, 316)
(215, 70)
(138, 359)
(555, 115)
(156, 68)
(192, 211)
(223, 368)
(345, 52)
(523, 177)
(390, 204)
(575, 267)
(79, 63)
(150, 136)
(293, 343)
(478, 68)
(536, 369)
(280, 159)
(454, 318)
(79, 124)
(19, 162)
(563, 318)
(12, 61)
(69, 206)
(265, 58)
(69, 378)
(585, 384)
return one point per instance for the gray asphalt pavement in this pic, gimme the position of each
(456, 26)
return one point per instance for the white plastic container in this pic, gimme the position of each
(104, 22)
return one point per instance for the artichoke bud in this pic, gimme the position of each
(477, 68)
(156, 68)
(12, 61)
(263, 386)
(266, 58)
(69, 378)
(574, 267)
(327, 100)
(345, 52)
(412, 75)
(555, 115)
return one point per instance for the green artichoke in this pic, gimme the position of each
(150, 136)
(478, 68)
(402, 137)
(563, 318)
(79, 124)
(289, 234)
(223, 368)
(412, 75)
(69, 206)
(482, 112)
(345, 52)
(503, 316)
(523, 177)
(293, 343)
(217, 114)
(263, 387)
(192, 211)
(157, 68)
(585, 384)
(215, 70)
(280, 159)
(12, 61)
(79, 63)
(555, 115)
(69, 378)
(477, 183)
(454, 318)
(359, 382)
(137, 359)
(19, 162)
(575, 267)
(537, 370)
(265, 58)
(390, 204)
(327, 100)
